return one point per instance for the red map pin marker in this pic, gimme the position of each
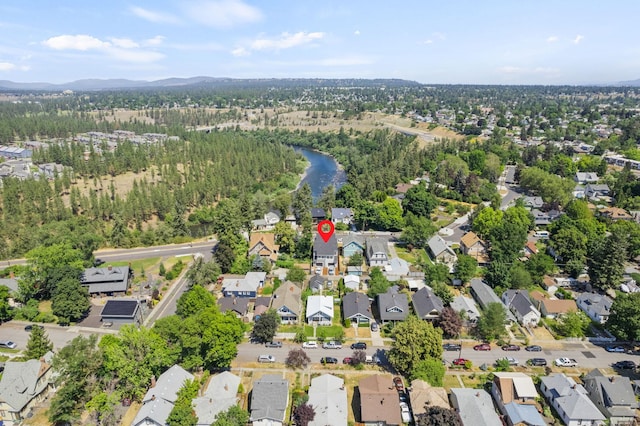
(325, 229)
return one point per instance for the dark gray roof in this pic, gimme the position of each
(483, 294)
(376, 245)
(613, 396)
(235, 304)
(393, 306)
(269, 398)
(106, 280)
(341, 213)
(518, 301)
(330, 248)
(316, 282)
(263, 301)
(355, 303)
(425, 302)
(20, 384)
(120, 309)
(437, 245)
(318, 213)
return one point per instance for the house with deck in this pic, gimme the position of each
(379, 401)
(426, 304)
(246, 286)
(518, 302)
(596, 306)
(264, 245)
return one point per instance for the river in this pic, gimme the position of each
(324, 170)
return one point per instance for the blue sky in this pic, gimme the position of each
(440, 42)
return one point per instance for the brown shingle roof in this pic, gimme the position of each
(379, 400)
(266, 245)
(469, 239)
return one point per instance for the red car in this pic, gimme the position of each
(511, 348)
(482, 347)
(459, 361)
(397, 381)
(347, 360)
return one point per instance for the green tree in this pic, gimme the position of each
(182, 413)
(606, 261)
(234, 416)
(419, 201)
(302, 203)
(296, 274)
(443, 291)
(195, 300)
(415, 341)
(225, 256)
(265, 327)
(38, 344)
(389, 215)
(573, 324)
(356, 259)
(203, 273)
(70, 300)
(327, 200)
(519, 277)
(103, 405)
(285, 237)
(491, 324)
(417, 230)
(624, 318)
(465, 268)
(570, 244)
(539, 265)
(378, 283)
(430, 370)
(486, 221)
(6, 311)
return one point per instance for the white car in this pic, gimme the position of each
(511, 361)
(331, 345)
(404, 411)
(566, 362)
(310, 345)
(266, 358)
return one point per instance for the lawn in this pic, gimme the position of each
(329, 331)
(150, 265)
(414, 257)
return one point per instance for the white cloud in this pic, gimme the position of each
(578, 39)
(155, 41)
(75, 42)
(356, 32)
(156, 17)
(510, 70)
(6, 66)
(240, 51)
(222, 13)
(286, 41)
(124, 43)
(552, 39)
(137, 56)
(428, 41)
(439, 36)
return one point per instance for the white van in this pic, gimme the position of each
(541, 234)
(266, 358)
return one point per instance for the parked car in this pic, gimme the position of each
(459, 361)
(511, 361)
(328, 360)
(372, 360)
(359, 345)
(397, 382)
(310, 345)
(625, 365)
(619, 349)
(32, 326)
(566, 362)
(273, 344)
(405, 412)
(451, 346)
(533, 348)
(374, 326)
(482, 347)
(8, 344)
(537, 362)
(511, 348)
(348, 360)
(266, 358)
(331, 345)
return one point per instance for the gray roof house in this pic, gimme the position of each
(586, 177)
(341, 215)
(357, 308)
(518, 302)
(484, 295)
(159, 399)
(238, 305)
(269, 400)
(427, 305)
(515, 388)
(468, 306)
(267, 222)
(532, 202)
(377, 252)
(328, 396)
(121, 311)
(596, 306)
(474, 407)
(352, 244)
(440, 251)
(570, 400)
(244, 287)
(220, 395)
(317, 283)
(320, 309)
(352, 282)
(318, 214)
(544, 218)
(287, 302)
(325, 254)
(23, 385)
(109, 280)
(614, 396)
(392, 305)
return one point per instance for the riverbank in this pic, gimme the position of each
(323, 170)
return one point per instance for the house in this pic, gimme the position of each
(12, 284)
(530, 249)
(263, 245)
(584, 178)
(220, 394)
(484, 295)
(378, 401)
(474, 407)
(441, 252)
(320, 309)
(541, 218)
(267, 223)
(159, 399)
(352, 282)
(23, 386)
(244, 287)
(468, 307)
(269, 400)
(50, 170)
(392, 305)
(354, 270)
(237, 305)
(472, 245)
(341, 215)
(317, 283)
(352, 244)
(109, 280)
(523, 415)
(357, 308)
(614, 396)
(377, 252)
(596, 306)
(595, 191)
(396, 269)
(325, 254)
(570, 401)
(423, 394)
(426, 304)
(552, 308)
(318, 215)
(578, 192)
(260, 306)
(402, 188)
(121, 311)
(614, 213)
(287, 301)
(532, 202)
(518, 302)
(328, 396)
(516, 388)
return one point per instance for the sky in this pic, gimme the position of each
(432, 42)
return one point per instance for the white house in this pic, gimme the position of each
(320, 310)
(518, 302)
(352, 282)
(570, 401)
(596, 306)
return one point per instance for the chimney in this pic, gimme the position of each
(153, 397)
(382, 401)
(291, 288)
(226, 387)
(234, 301)
(153, 381)
(109, 267)
(478, 394)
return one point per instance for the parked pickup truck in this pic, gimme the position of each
(566, 362)
(331, 345)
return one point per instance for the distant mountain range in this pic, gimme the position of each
(629, 83)
(117, 84)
